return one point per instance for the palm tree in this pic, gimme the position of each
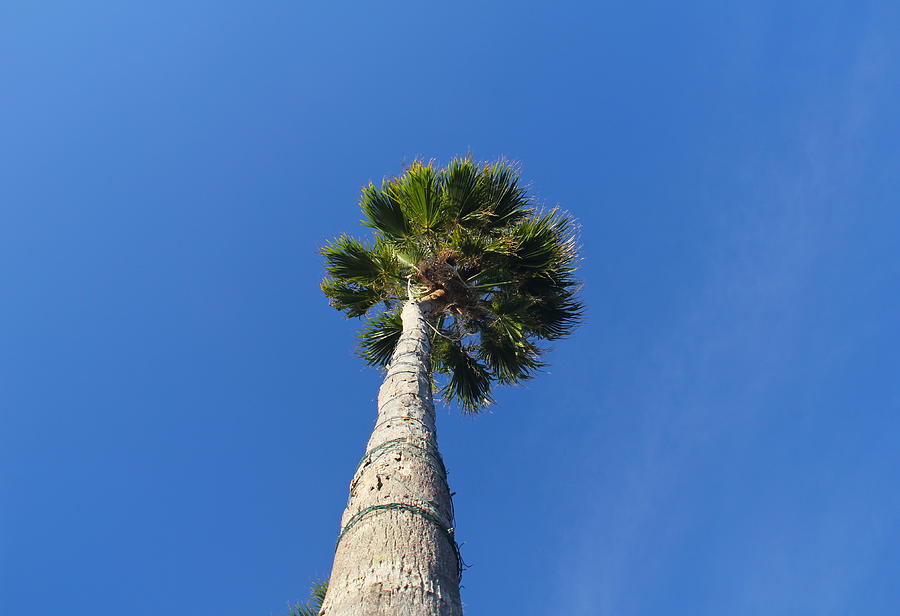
(313, 604)
(461, 282)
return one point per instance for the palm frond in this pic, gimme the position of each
(469, 382)
(510, 360)
(353, 298)
(360, 275)
(462, 189)
(350, 260)
(469, 235)
(410, 252)
(506, 200)
(555, 316)
(383, 212)
(506, 309)
(313, 604)
(543, 244)
(504, 343)
(379, 337)
(418, 193)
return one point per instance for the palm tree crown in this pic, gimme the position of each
(497, 273)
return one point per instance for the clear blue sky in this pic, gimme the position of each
(181, 413)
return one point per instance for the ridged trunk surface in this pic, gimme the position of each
(396, 554)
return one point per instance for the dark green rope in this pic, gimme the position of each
(429, 404)
(419, 511)
(408, 338)
(380, 450)
(405, 363)
(405, 418)
(396, 372)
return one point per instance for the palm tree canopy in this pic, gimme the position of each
(500, 273)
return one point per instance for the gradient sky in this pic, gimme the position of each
(181, 412)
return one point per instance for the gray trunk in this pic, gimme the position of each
(396, 554)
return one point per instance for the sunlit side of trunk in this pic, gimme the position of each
(396, 554)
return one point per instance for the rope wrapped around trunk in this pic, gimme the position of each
(415, 510)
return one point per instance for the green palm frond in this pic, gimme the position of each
(418, 193)
(352, 298)
(462, 189)
(543, 244)
(470, 250)
(509, 360)
(383, 212)
(555, 316)
(409, 252)
(505, 345)
(469, 380)
(350, 260)
(360, 276)
(313, 605)
(507, 201)
(505, 271)
(380, 336)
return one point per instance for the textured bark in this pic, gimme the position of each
(396, 554)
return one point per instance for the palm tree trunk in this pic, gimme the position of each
(396, 554)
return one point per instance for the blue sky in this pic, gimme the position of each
(181, 412)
